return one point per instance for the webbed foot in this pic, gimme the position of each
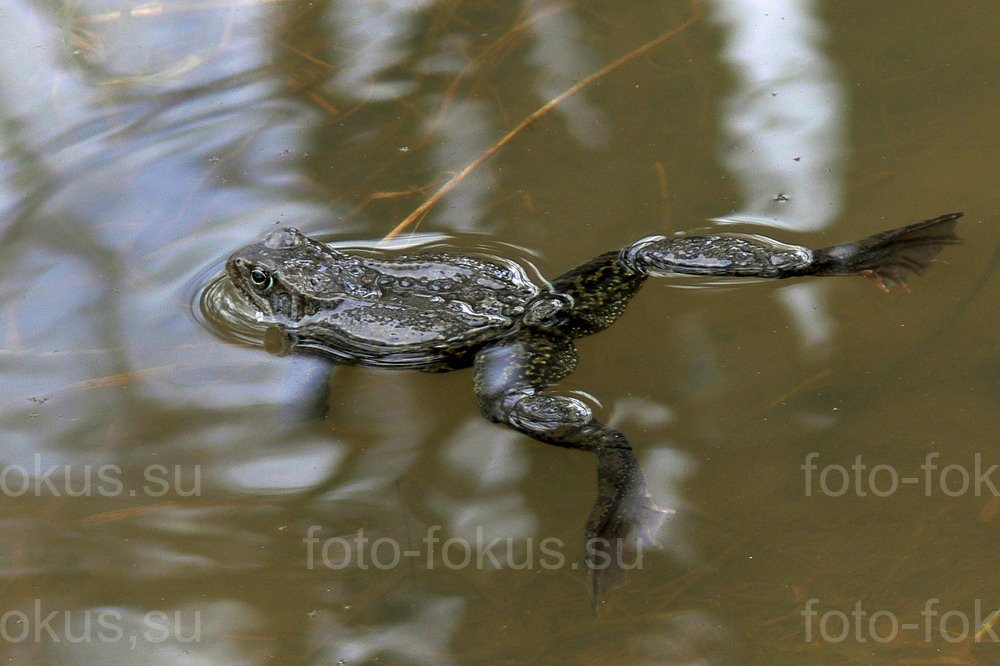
(622, 523)
(890, 257)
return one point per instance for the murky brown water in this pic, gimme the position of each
(172, 498)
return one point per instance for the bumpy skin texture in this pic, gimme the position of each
(443, 311)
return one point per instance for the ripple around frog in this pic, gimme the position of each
(223, 311)
(219, 307)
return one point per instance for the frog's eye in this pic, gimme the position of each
(261, 279)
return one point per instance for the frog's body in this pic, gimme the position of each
(419, 311)
(441, 311)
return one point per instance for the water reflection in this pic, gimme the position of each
(562, 57)
(373, 39)
(785, 129)
(143, 143)
(785, 120)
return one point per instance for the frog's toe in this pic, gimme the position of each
(650, 505)
(648, 526)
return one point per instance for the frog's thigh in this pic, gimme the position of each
(512, 371)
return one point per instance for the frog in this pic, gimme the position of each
(439, 311)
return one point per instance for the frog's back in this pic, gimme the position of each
(422, 309)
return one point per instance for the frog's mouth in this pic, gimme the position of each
(247, 296)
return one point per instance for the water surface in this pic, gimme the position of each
(175, 498)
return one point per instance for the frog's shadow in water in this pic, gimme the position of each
(446, 311)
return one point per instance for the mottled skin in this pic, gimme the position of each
(440, 311)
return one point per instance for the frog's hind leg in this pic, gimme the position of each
(889, 257)
(512, 377)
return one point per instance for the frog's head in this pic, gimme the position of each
(277, 273)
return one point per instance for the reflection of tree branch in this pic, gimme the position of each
(418, 214)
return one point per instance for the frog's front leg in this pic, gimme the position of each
(512, 377)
